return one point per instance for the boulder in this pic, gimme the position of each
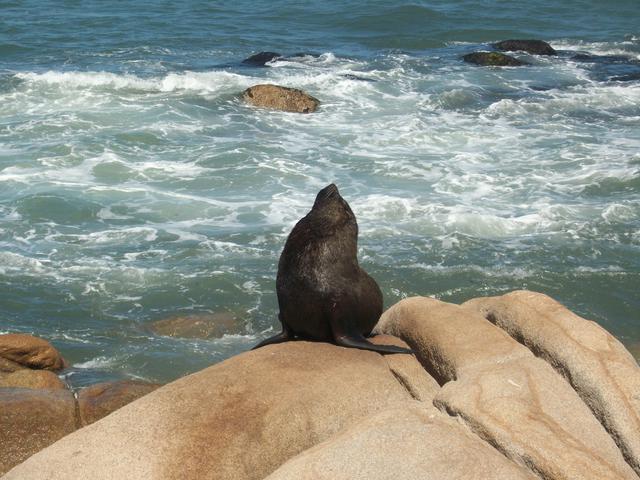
(30, 351)
(206, 325)
(8, 366)
(411, 441)
(239, 419)
(506, 387)
(504, 394)
(100, 400)
(598, 367)
(280, 98)
(27, 378)
(534, 47)
(492, 59)
(259, 59)
(31, 420)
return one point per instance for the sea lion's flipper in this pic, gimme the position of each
(364, 344)
(284, 336)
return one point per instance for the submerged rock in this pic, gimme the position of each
(512, 387)
(534, 47)
(31, 420)
(260, 59)
(30, 351)
(98, 401)
(492, 59)
(280, 98)
(27, 378)
(205, 325)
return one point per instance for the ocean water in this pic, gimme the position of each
(136, 185)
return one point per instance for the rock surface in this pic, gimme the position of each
(207, 325)
(239, 419)
(408, 442)
(98, 401)
(27, 378)
(280, 98)
(492, 59)
(30, 351)
(534, 47)
(537, 392)
(31, 420)
(598, 367)
(496, 386)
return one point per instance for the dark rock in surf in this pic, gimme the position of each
(280, 98)
(534, 47)
(492, 59)
(260, 59)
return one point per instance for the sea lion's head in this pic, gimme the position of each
(331, 211)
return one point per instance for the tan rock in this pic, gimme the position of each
(100, 400)
(31, 420)
(597, 365)
(280, 98)
(8, 366)
(410, 442)
(27, 378)
(408, 371)
(515, 401)
(30, 351)
(205, 325)
(239, 419)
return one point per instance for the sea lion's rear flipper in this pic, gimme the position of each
(364, 344)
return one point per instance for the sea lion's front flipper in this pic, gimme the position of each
(364, 344)
(283, 336)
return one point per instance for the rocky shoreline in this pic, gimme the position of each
(515, 386)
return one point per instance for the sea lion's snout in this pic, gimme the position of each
(330, 191)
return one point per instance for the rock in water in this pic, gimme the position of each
(259, 59)
(280, 98)
(205, 325)
(492, 59)
(27, 378)
(534, 47)
(30, 351)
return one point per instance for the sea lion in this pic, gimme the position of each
(323, 294)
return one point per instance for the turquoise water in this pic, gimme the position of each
(135, 184)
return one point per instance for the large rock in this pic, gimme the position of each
(98, 401)
(534, 47)
(31, 420)
(280, 98)
(240, 419)
(9, 366)
(205, 325)
(408, 442)
(597, 365)
(504, 394)
(509, 399)
(492, 59)
(27, 378)
(30, 351)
